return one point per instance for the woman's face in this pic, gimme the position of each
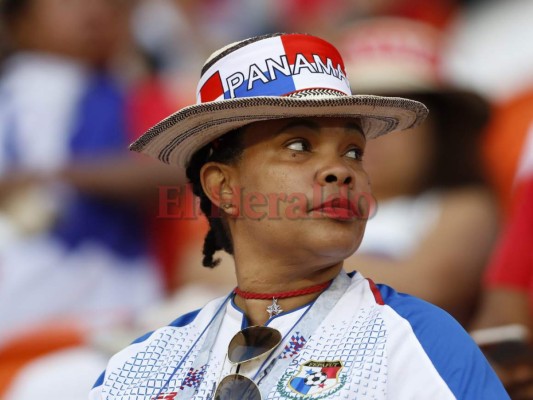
(301, 188)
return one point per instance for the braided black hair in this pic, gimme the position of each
(227, 150)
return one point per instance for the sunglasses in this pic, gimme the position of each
(247, 345)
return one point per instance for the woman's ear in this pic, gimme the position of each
(217, 182)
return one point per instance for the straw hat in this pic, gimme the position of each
(271, 77)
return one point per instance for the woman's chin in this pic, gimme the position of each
(336, 248)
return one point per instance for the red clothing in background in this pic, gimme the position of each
(512, 261)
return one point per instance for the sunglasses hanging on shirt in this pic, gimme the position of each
(247, 345)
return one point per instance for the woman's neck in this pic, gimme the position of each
(257, 311)
(272, 279)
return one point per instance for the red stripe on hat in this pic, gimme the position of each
(309, 45)
(212, 88)
(375, 292)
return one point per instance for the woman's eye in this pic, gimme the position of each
(299, 145)
(356, 154)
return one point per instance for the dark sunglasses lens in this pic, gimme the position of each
(252, 342)
(237, 387)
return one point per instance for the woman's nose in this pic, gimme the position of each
(336, 174)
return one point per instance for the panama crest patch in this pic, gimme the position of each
(314, 379)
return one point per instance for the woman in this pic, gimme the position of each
(274, 151)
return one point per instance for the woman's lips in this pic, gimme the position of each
(340, 209)
(337, 213)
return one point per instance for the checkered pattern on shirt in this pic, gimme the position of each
(360, 345)
(146, 372)
(296, 343)
(193, 377)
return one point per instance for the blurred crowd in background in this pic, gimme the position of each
(93, 252)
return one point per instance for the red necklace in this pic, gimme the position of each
(281, 295)
(274, 309)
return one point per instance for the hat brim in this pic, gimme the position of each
(176, 138)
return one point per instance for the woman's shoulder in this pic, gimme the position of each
(187, 321)
(424, 339)
(408, 316)
(186, 325)
(155, 348)
(428, 331)
(418, 312)
(386, 295)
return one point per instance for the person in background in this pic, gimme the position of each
(73, 249)
(507, 81)
(505, 314)
(508, 147)
(502, 325)
(436, 220)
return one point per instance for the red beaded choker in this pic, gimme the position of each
(281, 295)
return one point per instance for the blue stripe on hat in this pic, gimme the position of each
(280, 86)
